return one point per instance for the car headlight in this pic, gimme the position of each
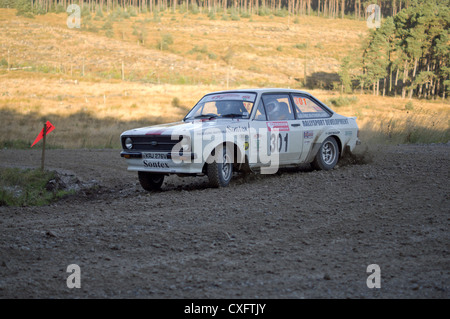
(129, 143)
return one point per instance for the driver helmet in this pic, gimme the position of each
(226, 107)
(272, 106)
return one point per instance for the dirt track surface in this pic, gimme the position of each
(298, 234)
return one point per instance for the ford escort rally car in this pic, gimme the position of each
(254, 130)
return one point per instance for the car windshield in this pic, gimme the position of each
(223, 105)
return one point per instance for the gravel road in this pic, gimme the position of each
(297, 234)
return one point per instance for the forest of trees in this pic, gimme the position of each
(408, 55)
(327, 8)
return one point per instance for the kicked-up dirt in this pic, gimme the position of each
(297, 234)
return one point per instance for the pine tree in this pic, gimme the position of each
(387, 31)
(344, 74)
(377, 59)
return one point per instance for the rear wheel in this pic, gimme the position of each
(150, 181)
(220, 170)
(327, 156)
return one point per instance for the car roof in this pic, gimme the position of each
(273, 90)
(264, 90)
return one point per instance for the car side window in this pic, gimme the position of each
(278, 107)
(260, 113)
(307, 108)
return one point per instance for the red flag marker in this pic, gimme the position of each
(49, 128)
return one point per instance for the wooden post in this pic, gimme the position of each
(43, 146)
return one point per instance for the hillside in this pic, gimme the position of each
(258, 51)
(96, 82)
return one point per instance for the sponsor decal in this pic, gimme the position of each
(299, 101)
(236, 129)
(280, 126)
(333, 132)
(256, 137)
(325, 122)
(250, 97)
(155, 164)
(223, 96)
(308, 134)
(348, 133)
(211, 131)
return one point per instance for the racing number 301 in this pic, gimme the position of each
(279, 142)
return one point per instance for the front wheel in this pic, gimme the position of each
(220, 170)
(151, 181)
(327, 156)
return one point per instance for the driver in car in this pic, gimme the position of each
(272, 108)
(228, 107)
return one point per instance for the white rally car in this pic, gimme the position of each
(254, 130)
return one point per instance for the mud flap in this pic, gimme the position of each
(312, 152)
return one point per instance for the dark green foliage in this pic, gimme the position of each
(108, 27)
(140, 30)
(342, 101)
(301, 46)
(264, 11)
(99, 13)
(8, 4)
(193, 8)
(60, 8)
(409, 53)
(24, 8)
(344, 74)
(164, 42)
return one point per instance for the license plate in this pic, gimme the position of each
(154, 156)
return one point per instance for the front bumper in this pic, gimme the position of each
(185, 156)
(168, 163)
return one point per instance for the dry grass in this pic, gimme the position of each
(245, 50)
(84, 114)
(395, 120)
(91, 108)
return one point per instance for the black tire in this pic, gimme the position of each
(327, 156)
(151, 181)
(220, 171)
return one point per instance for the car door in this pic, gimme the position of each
(284, 132)
(259, 140)
(310, 116)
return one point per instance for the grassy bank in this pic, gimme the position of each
(29, 187)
